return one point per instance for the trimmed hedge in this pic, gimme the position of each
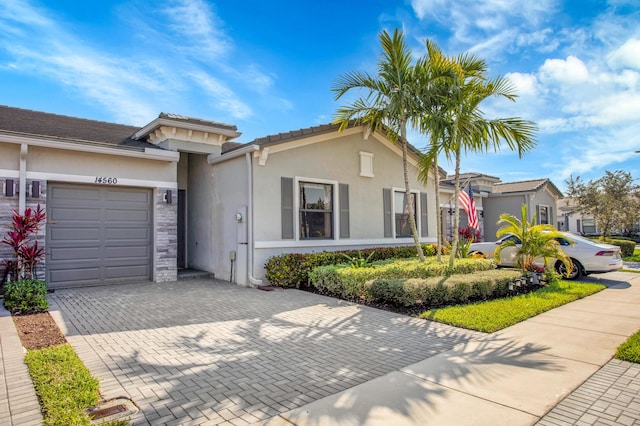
(440, 291)
(626, 246)
(292, 269)
(349, 282)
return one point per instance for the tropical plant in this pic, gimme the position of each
(389, 104)
(535, 241)
(22, 237)
(458, 125)
(467, 236)
(359, 261)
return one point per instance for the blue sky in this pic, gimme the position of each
(268, 67)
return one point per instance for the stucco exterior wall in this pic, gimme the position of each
(335, 159)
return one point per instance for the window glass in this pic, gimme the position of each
(544, 214)
(588, 226)
(316, 211)
(401, 214)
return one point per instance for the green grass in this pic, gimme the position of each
(630, 350)
(497, 314)
(634, 258)
(64, 385)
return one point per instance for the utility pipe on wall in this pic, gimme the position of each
(252, 280)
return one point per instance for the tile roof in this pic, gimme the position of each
(524, 186)
(80, 130)
(193, 120)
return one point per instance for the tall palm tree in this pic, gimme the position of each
(433, 74)
(389, 104)
(461, 126)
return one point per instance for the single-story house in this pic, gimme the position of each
(494, 197)
(127, 203)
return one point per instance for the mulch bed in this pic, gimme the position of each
(38, 331)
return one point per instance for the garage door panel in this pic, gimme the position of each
(128, 215)
(63, 234)
(128, 253)
(131, 234)
(98, 235)
(74, 253)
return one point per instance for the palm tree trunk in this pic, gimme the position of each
(411, 202)
(438, 215)
(456, 215)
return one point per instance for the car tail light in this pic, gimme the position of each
(606, 253)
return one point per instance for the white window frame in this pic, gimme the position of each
(335, 203)
(416, 200)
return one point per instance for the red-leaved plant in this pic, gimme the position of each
(22, 237)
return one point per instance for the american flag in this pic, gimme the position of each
(466, 200)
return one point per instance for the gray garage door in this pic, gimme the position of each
(97, 235)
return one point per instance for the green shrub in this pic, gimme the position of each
(440, 291)
(347, 282)
(63, 384)
(292, 269)
(626, 246)
(26, 297)
(630, 349)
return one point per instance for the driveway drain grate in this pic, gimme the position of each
(109, 411)
(113, 409)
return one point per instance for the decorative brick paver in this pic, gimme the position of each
(208, 352)
(610, 397)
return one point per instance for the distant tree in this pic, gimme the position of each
(613, 201)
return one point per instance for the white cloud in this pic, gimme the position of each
(525, 84)
(560, 71)
(628, 55)
(225, 99)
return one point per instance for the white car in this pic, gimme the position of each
(587, 256)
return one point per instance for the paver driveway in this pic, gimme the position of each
(206, 352)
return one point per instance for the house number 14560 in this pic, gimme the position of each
(106, 180)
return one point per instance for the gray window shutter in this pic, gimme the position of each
(386, 203)
(537, 214)
(286, 201)
(344, 210)
(424, 216)
(550, 213)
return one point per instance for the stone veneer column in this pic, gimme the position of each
(166, 229)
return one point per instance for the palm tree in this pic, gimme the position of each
(433, 75)
(389, 104)
(536, 241)
(460, 124)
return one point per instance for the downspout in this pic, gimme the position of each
(252, 280)
(22, 185)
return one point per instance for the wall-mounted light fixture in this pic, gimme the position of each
(35, 189)
(238, 217)
(168, 197)
(9, 188)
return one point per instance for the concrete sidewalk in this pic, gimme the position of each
(511, 377)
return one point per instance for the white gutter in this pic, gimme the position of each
(22, 188)
(148, 153)
(215, 159)
(252, 280)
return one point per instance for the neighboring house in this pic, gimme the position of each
(539, 195)
(579, 223)
(493, 198)
(127, 203)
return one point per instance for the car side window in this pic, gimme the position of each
(513, 238)
(563, 242)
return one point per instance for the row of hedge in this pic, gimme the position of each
(626, 246)
(349, 282)
(292, 270)
(434, 291)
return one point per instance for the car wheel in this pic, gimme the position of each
(576, 272)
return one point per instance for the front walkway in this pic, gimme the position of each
(206, 352)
